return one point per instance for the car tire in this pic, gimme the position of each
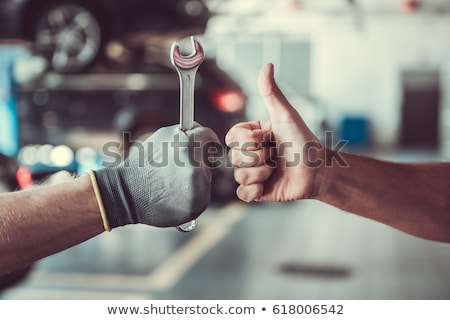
(69, 35)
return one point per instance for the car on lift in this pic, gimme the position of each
(72, 34)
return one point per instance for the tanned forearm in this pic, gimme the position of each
(41, 221)
(414, 198)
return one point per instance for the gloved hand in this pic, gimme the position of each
(164, 182)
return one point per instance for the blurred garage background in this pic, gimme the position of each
(376, 73)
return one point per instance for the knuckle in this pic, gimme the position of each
(233, 137)
(243, 194)
(240, 158)
(241, 176)
(229, 138)
(233, 157)
(249, 193)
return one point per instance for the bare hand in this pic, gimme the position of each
(275, 159)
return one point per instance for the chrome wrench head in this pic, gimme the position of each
(186, 67)
(191, 61)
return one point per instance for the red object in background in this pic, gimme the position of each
(411, 5)
(24, 177)
(294, 4)
(229, 100)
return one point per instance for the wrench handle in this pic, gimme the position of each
(187, 86)
(186, 67)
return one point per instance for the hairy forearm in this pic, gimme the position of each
(414, 198)
(44, 220)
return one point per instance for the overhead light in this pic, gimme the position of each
(61, 156)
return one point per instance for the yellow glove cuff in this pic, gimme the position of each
(99, 201)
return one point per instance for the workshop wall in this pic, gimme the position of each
(355, 62)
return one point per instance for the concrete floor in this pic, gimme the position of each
(301, 250)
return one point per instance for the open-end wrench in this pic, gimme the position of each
(186, 67)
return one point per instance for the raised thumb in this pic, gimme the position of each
(279, 107)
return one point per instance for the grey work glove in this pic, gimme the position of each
(164, 182)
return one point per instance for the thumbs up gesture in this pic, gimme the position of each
(276, 159)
